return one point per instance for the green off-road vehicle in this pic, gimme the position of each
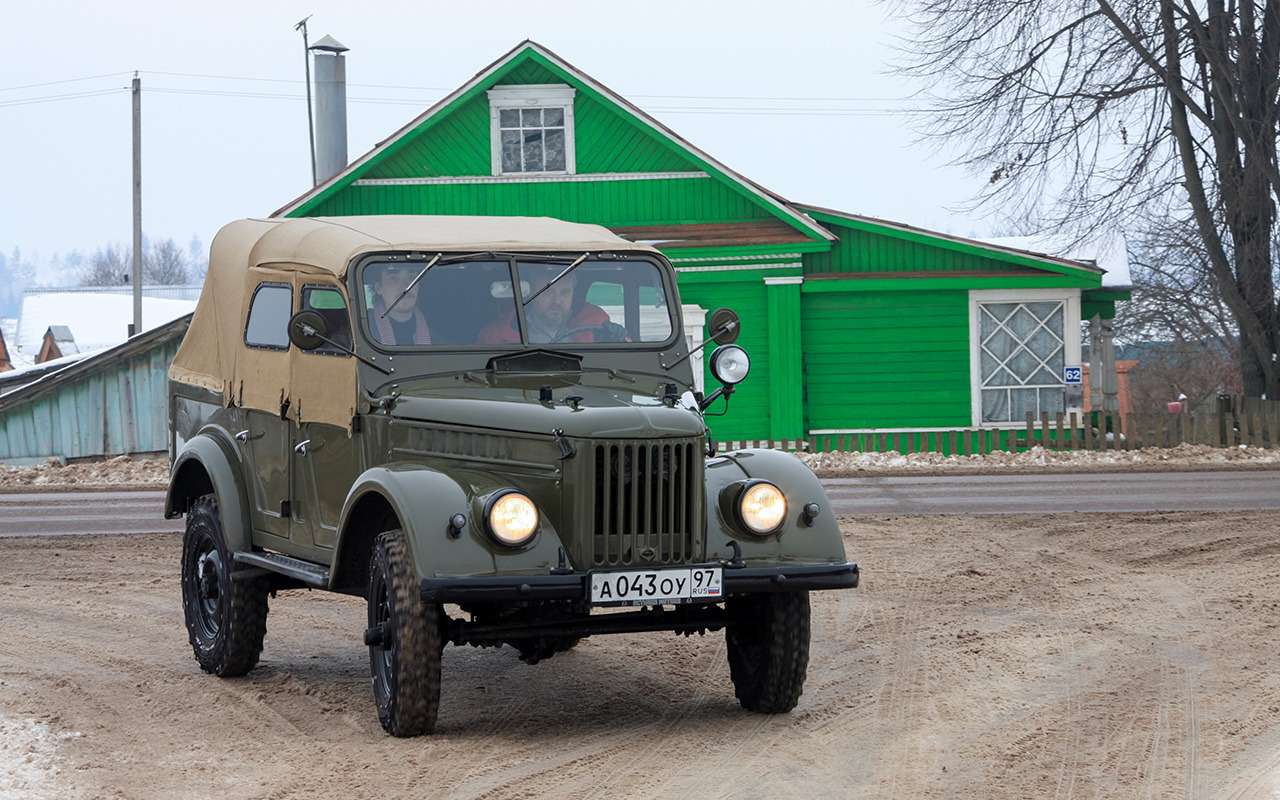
(489, 429)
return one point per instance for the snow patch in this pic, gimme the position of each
(29, 759)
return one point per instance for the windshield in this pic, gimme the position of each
(474, 303)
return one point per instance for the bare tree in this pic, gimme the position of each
(164, 263)
(1089, 112)
(108, 266)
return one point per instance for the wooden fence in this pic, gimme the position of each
(1235, 421)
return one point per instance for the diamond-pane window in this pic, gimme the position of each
(1022, 349)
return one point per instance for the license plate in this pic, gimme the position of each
(646, 587)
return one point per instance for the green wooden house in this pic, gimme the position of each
(854, 324)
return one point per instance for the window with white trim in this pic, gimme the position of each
(531, 129)
(1022, 348)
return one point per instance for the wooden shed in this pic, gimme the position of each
(854, 323)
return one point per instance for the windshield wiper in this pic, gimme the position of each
(412, 284)
(552, 282)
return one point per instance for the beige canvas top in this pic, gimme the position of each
(318, 251)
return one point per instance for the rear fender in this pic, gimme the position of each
(204, 463)
(795, 541)
(423, 501)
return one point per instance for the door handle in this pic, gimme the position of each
(244, 436)
(301, 447)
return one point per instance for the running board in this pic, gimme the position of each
(302, 571)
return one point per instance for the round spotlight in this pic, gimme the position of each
(730, 364)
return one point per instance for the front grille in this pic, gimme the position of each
(646, 505)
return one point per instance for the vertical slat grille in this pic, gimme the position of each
(646, 502)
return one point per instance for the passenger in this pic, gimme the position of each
(405, 324)
(550, 317)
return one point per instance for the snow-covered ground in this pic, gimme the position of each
(29, 759)
(1152, 458)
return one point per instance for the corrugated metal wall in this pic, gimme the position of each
(121, 407)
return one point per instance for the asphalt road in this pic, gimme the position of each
(63, 513)
(1063, 493)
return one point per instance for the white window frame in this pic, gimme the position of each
(1070, 339)
(537, 95)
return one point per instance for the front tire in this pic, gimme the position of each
(768, 647)
(226, 619)
(404, 658)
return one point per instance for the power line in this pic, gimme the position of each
(67, 80)
(771, 98)
(27, 101)
(726, 110)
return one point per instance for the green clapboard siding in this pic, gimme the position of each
(863, 251)
(886, 359)
(458, 144)
(748, 416)
(631, 202)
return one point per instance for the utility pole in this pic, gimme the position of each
(306, 63)
(137, 204)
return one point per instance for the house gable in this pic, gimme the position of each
(449, 147)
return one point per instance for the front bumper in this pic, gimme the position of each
(573, 586)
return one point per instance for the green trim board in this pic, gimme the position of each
(786, 398)
(877, 283)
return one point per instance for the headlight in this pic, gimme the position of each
(762, 507)
(730, 364)
(511, 518)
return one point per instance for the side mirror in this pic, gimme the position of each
(724, 326)
(308, 330)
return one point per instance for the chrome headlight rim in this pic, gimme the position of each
(741, 495)
(491, 501)
(721, 352)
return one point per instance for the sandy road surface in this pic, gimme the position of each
(994, 657)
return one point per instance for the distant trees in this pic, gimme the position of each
(164, 263)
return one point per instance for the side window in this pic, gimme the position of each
(269, 317)
(330, 304)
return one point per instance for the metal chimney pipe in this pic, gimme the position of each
(331, 107)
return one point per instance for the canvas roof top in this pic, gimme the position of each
(330, 243)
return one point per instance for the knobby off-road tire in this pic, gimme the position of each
(405, 665)
(226, 619)
(768, 644)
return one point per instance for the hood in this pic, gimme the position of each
(602, 413)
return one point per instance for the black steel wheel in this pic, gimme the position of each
(404, 642)
(226, 619)
(768, 646)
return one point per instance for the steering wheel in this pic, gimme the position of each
(604, 332)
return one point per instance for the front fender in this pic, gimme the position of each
(819, 542)
(424, 499)
(206, 452)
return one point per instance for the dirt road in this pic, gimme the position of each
(994, 657)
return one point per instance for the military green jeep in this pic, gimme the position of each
(489, 429)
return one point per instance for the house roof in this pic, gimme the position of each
(995, 248)
(1107, 251)
(54, 373)
(529, 49)
(96, 319)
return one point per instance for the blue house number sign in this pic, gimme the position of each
(1072, 376)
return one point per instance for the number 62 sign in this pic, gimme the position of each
(1072, 375)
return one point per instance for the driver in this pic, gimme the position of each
(405, 324)
(551, 317)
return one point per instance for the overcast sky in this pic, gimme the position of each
(711, 71)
